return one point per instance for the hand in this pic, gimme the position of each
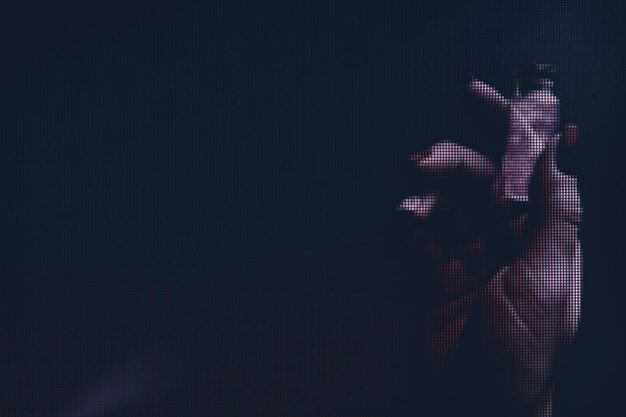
(520, 267)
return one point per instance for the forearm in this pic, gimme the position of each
(530, 311)
(543, 286)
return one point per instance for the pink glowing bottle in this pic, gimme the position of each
(534, 122)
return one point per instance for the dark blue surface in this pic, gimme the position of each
(198, 199)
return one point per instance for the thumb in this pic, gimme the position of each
(545, 174)
(553, 195)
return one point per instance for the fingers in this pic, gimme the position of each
(446, 158)
(419, 206)
(456, 182)
(487, 94)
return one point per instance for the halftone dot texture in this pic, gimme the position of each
(504, 244)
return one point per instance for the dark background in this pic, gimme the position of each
(198, 198)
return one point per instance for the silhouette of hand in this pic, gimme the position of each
(517, 269)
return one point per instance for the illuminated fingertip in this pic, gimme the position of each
(419, 206)
(408, 204)
(420, 156)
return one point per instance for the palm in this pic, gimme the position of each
(467, 235)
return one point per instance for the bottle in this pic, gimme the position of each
(533, 123)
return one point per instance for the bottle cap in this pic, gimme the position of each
(534, 76)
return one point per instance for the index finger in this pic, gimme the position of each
(445, 159)
(486, 93)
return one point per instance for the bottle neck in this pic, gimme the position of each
(525, 86)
